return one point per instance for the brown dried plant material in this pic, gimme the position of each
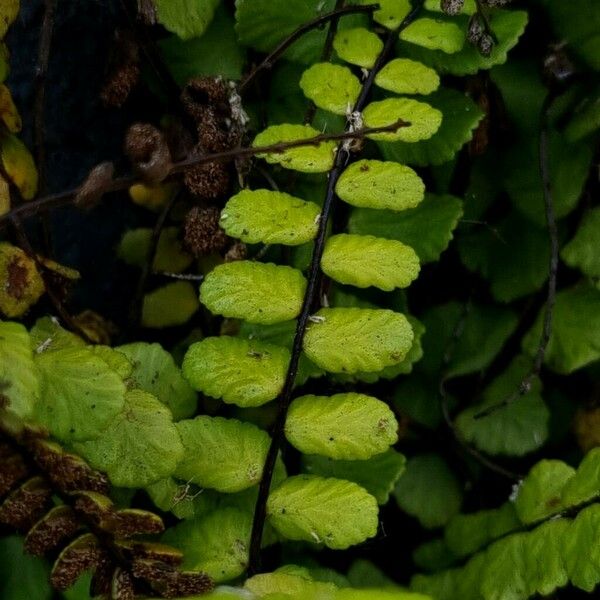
(129, 522)
(102, 579)
(135, 551)
(170, 583)
(201, 231)
(237, 251)
(96, 184)
(122, 585)
(586, 426)
(54, 529)
(83, 554)
(23, 507)
(68, 472)
(123, 70)
(97, 328)
(12, 470)
(147, 148)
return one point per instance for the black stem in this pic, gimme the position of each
(342, 158)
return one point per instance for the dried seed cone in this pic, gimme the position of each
(452, 7)
(149, 152)
(202, 234)
(208, 181)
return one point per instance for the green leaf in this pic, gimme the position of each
(405, 76)
(460, 118)
(424, 119)
(155, 371)
(486, 251)
(22, 576)
(586, 118)
(47, 335)
(465, 534)
(378, 474)
(306, 159)
(216, 544)
(254, 291)
(358, 46)
(539, 495)
(569, 166)
(343, 426)
(433, 555)
(170, 305)
(577, 23)
(514, 430)
(575, 338)
(140, 446)
(80, 393)
(331, 87)
(348, 340)
(583, 251)
(117, 361)
(170, 255)
(19, 380)
(308, 508)
(363, 573)
(263, 24)
(435, 34)
(270, 217)
(285, 584)
(182, 498)
(391, 13)
(381, 185)
(484, 330)
(508, 26)
(429, 491)
(427, 228)
(580, 549)
(242, 372)
(365, 260)
(585, 485)
(18, 165)
(217, 53)
(417, 397)
(223, 454)
(186, 18)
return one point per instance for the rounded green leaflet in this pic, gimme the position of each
(186, 18)
(253, 291)
(405, 76)
(19, 380)
(242, 372)
(80, 393)
(435, 34)
(170, 305)
(328, 511)
(306, 159)
(381, 185)
(358, 46)
(424, 119)
(348, 340)
(344, 426)
(270, 217)
(331, 87)
(117, 361)
(140, 446)
(365, 260)
(224, 454)
(155, 371)
(390, 13)
(216, 544)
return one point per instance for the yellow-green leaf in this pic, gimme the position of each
(405, 76)
(18, 165)
(390, 13)
(270, 217)
(348, 340)
(331, 87)
(380, 184)
(306, 159)
(365, 260)
(153, 197)
(223, 454)
(424, 119)
(9, 9)
(21, 285)
(253, 291)
(242, 372)
(19, 381)
(358, 46)
(435, 34)
(320, 510)
(343, 426)
(170, 305)
(9, 114)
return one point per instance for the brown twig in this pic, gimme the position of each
(54, 200)
(270, 60)
(39, 101)
(343, 156)
(544, 164)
